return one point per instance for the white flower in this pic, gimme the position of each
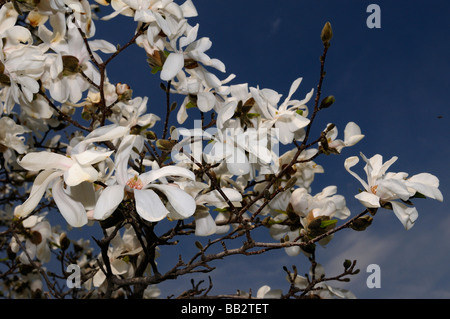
(8, 135)
(37, 243)
(195, 51)
(321, 289)
(127, 245)
(58, 169)
(204, 223)
(382, 187)
(148, 203)
(287, 120)
(21, 64)
(63, 77)
(352, 135)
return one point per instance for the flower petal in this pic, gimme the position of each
(204, 224)
(183, 204)
(369, 200)
(426, 184)
(37, 191)
(406, 215)
(349, 163)
(78, 174)
(72, 211)
(153, 175)
(36, 161)
(109, 200)
(149, 206)
(173, 64)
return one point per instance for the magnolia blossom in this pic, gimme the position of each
(352, 135)
(72, 170)
(205, 225)
(148, 203)
(63, 76)
(8, 136)
(37, 243)
(21, 64)
(286, 118)
(232, 145)
(308, 208)
(122, 247)
(321, 289)
(382, 187)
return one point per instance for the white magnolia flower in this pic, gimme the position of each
(148, 203)
(286, 119)
(21, 64)
(321, 289)
(352, 135)
(308, 208)
(382, 187)
(8, 136)
(72, 170)
(204, 223)
(63, 77)
(232, 145)
(37, 243)
(193, 50)
(121, 247)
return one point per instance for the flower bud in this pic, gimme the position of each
(165, 145)
(347, 263)
(64, 242)
(361, 223)
(327, 34)
(327, 102)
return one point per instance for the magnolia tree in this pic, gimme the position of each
(74, 143)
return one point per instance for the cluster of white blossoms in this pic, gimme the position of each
(51, 66)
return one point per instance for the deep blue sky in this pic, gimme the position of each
(393, 82)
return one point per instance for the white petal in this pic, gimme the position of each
(352, 134)
(349, 163)
(37, 191)
(188, 9)
(153, 175)
(103, 46)
(214, 198)
(149, 206)
(427, 184)
(109, 200)
(205, 101)
(238, 163)
(121, 158)
(173, 64)
(45, 160)
(369, 200)
(73, 212)
(391, 187)
(406, 215)
(204, 224)
(182, 202)
(90, 157)
(77, 174)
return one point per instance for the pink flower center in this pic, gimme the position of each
(135, 183)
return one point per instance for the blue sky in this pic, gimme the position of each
(393, 82)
